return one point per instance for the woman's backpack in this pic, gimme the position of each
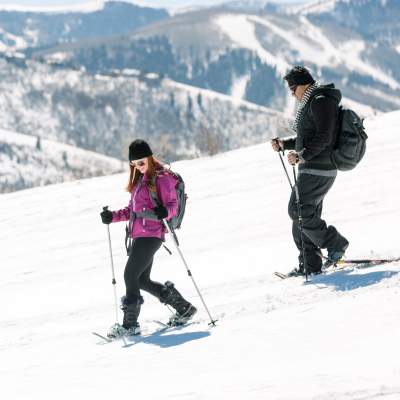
(181, 196)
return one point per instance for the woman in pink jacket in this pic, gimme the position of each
(147, 230)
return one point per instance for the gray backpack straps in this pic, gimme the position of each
(156, 202)
(154, 197)
(149, 214)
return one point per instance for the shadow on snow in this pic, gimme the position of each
(167, 339)
(350, 279)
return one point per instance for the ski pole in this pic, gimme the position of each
(284, 167)
(114, 282)
(175, 240)
(283, 164)
(303, 251)
(296, 191)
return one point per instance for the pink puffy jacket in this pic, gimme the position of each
(141, 201)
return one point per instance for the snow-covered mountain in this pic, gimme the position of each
(353, 43)
(97, 89)
(336, 338)
(104, 113)
(21, 28)
(28, 161)
(246, 5)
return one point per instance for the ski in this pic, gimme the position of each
(106, 339)
(371, 261)
(281, 275)
(348, 264)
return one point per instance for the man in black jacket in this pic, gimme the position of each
(316, 128)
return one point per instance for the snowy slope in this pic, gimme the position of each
(334, 339)
(314, 45)
(28, 161)
(102, 112)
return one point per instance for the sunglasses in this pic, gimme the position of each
(138, 163)
(293, 88)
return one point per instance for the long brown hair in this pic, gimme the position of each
(153, 167)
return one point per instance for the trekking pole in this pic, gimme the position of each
(296, 191)
(303, 251)
(176, 243)
(284, 167)
(114, 282)
(283, 164)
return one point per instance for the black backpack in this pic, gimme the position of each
(351, 141)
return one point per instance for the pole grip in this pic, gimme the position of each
(276, 139)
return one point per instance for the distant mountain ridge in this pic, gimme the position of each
(223, 48)
(20, 30)
(196, 83)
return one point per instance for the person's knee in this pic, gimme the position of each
(131, 275)
(144, 283)
(308, 212)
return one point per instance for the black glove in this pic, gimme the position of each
(106, 216)
(161, 212)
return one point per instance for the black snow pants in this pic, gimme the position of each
(138, 268)
(316, 233)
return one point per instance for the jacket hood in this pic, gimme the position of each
(328, 90)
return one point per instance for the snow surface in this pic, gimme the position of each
(19, 43)
(336, 338)
(239, 88)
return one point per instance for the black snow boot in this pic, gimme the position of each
(336, 254)
(298, 271)
(131, 308)
(184, 310)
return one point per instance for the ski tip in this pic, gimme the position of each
(280, 275)
(108, 340)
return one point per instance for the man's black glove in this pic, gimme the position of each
(161, 212)
(106, 216)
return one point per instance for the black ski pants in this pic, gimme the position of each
(138, 268)
(316, 234)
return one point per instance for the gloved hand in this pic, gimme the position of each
(293, 158)
(277, 144)
(106, 216)
(161, 212)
